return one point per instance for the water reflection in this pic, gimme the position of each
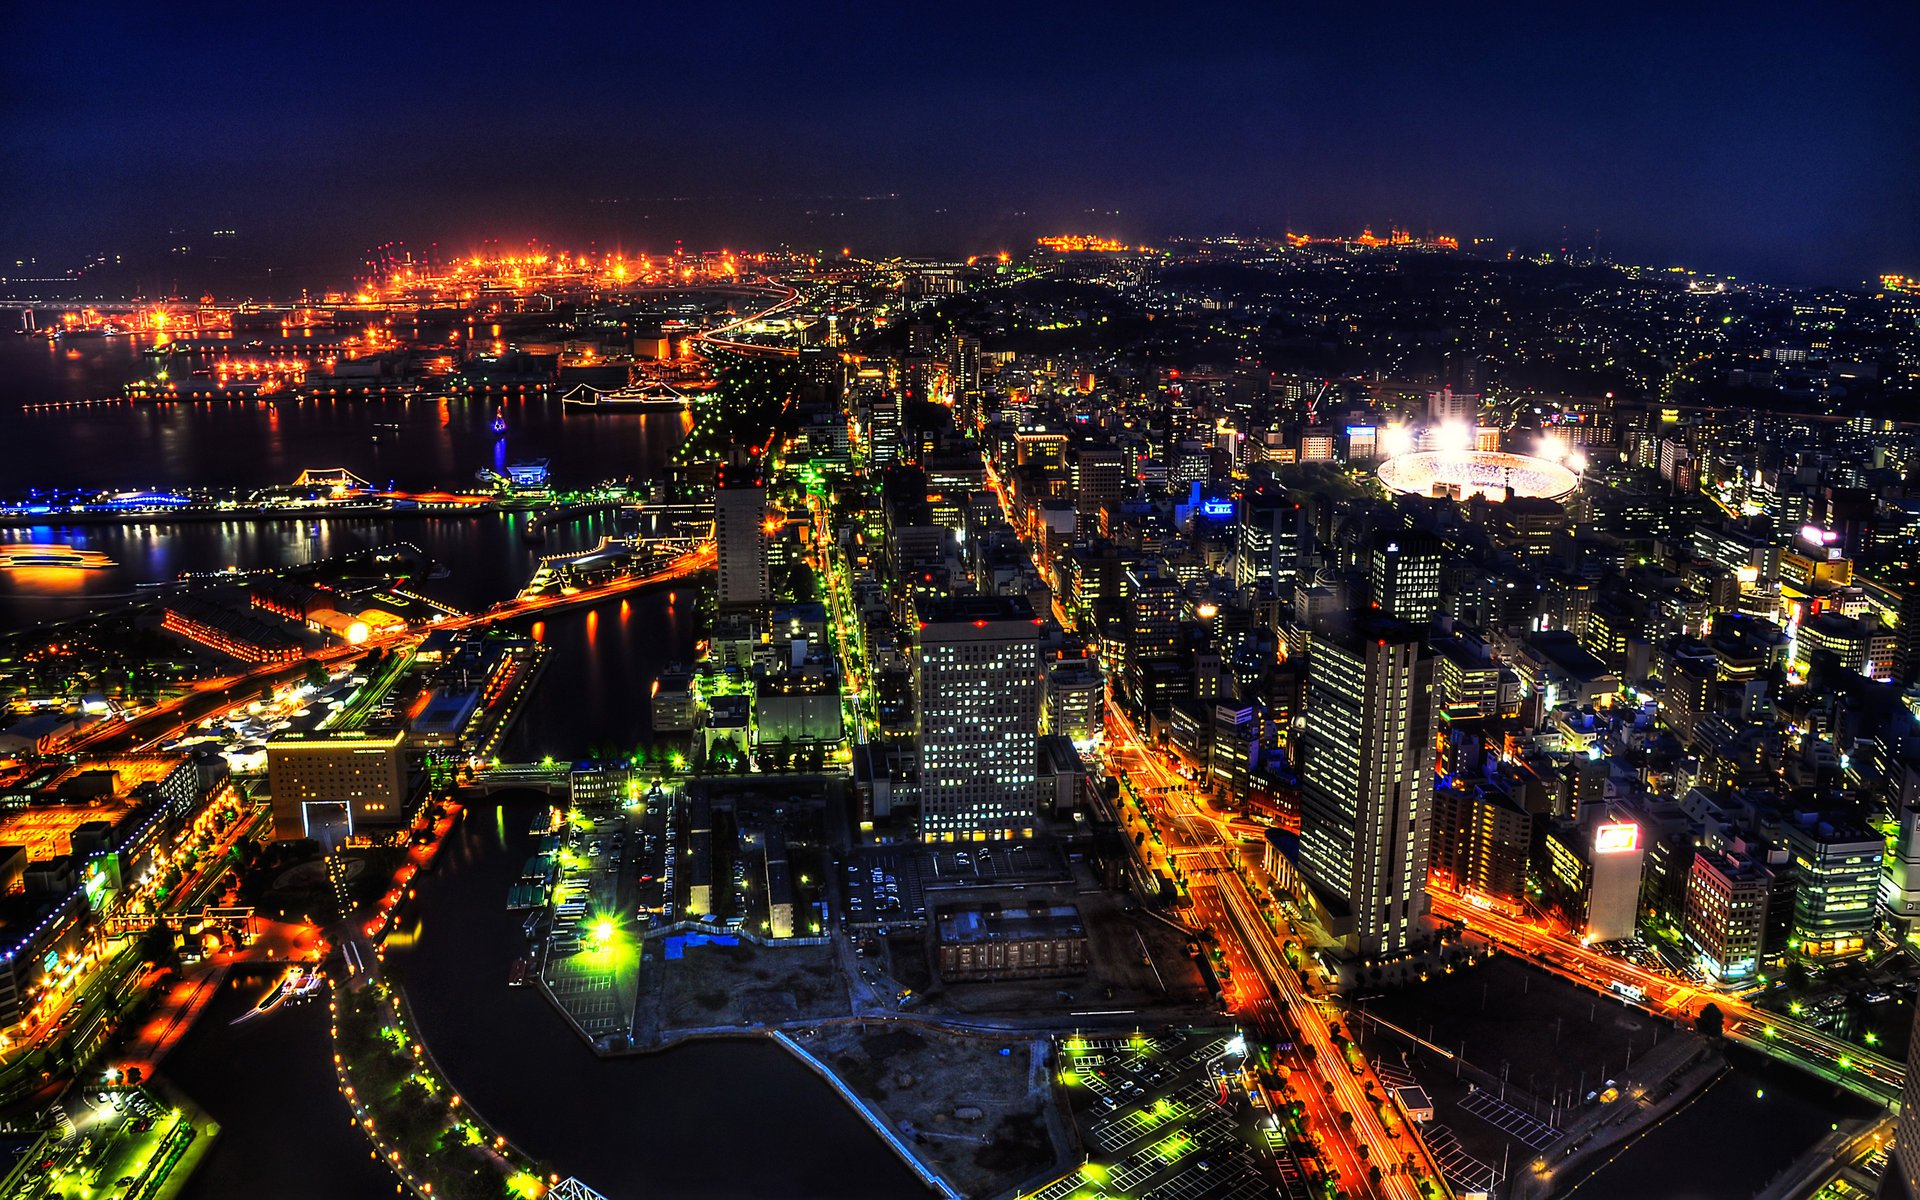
(664, 1125)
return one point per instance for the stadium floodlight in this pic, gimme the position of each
(1395, 440)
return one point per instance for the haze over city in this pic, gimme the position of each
(1751, 140)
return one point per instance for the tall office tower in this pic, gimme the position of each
(1403, 573)
(963, 363)
(977, 697)
(883, 431)
(1152, 631)
(1902, 1178)
(1099, 481)
(1366, 776)
(740, 537)
(1272, 537)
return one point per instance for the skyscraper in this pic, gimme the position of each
(1272, 535)
(740, 538)
(1902, 1180)
(977, 696)
(1099, 481)
(1366, 779)
(1403, 572)
(1153, 614)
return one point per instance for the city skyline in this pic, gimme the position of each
(1233, 602)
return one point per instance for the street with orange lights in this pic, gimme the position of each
(1267, 991)
(1796, 1042)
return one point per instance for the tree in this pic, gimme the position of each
(1712, 1022)
(316, 675)
(157, 944)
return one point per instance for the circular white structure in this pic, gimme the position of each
(1467, 473)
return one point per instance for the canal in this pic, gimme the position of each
(285, 1128)
(735, 1118)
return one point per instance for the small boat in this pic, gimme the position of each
(500, 421)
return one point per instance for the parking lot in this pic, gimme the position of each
(886, 886)
(1164, 1117)
(994, 864)
(882, 888)
(128, 1141)
(600, 906)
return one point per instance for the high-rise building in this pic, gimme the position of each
(1366, 778)
(963, 363)
(1902, 1178)
(1076, 702)
(1099, 481)
(740, 537)
(1271, 538)
(977, 696)
(1481, 837)
(1726, 916)
(1403, 573)
(1837, 868)
(1900, 877)
(884, 432)
(1153, 614)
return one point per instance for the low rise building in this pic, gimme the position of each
(995, 943)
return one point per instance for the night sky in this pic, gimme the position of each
(1781, 142)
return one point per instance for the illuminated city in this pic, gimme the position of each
(1066, 605)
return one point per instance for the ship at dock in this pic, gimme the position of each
(647, 396)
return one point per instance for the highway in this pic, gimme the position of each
(1871, 1075)
(713, 337)
(1268, 992)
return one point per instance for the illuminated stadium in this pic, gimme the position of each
(1463, 474)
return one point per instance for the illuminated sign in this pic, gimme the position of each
(1218, 509)
(1616, 839)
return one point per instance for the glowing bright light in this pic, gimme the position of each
(1396, 440)
(1616, 839)
(1477, 472)
(1453, 436)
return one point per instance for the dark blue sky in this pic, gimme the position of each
(1776, 141)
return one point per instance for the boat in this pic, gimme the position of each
(52, 554)
(651, 395)
(500, 421)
